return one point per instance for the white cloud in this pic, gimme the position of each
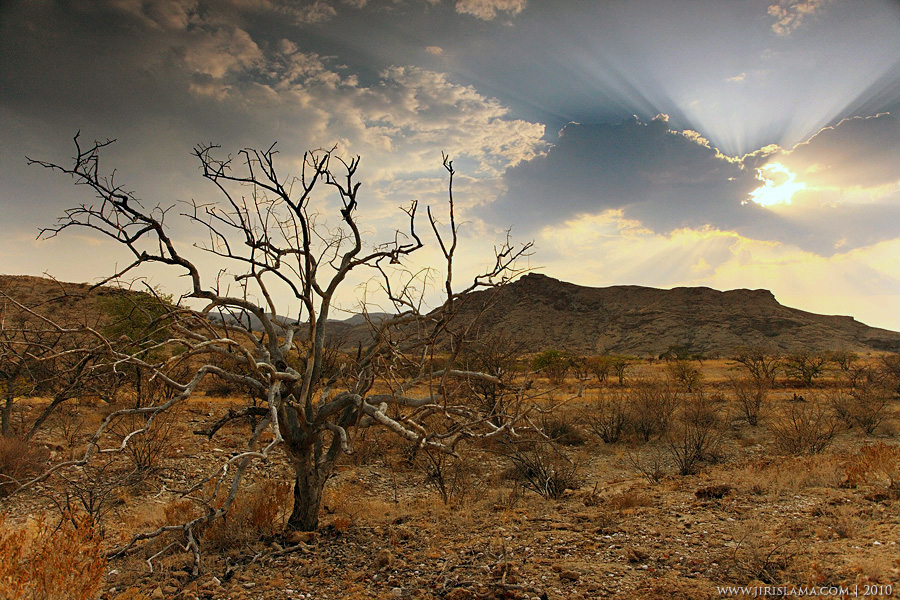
(221, 52)
(789, 14)
(435, 50)
(488, 9)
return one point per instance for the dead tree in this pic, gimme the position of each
(276, 244)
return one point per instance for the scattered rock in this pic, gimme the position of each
(569, 575)
(384, 559)
(636, 555)
(300, 537)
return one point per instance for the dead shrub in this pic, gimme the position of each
(761, 557)
(804, 428)
(563, 432)
(607, 415)
(862, 406)
(261, 510)
(146, 449)
(450, 476)
(544, 468)
(652, 463)
(750, 395)
(875, 464)
(63, 563)
(628, 500)
(652, 403)
(696, 435)
(18, 460)
(95, 490)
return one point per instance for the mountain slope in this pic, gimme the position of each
(547, 313)
(543, 313)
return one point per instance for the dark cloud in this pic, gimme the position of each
(862, 152)
(665, 178)
(668, 180)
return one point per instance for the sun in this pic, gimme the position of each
(779, 185)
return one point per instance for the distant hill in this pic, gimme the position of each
(542, 312)
(67, 304)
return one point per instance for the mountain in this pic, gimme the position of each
(544, 313)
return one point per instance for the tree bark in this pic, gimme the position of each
(6, 417)
(308, 485)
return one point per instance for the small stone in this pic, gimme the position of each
(459, 593)
(300, 537)
(569, 575)
(636, 555)
(397, 592)
(158, 594)
(384, 558)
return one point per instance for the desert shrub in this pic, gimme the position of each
(67, 423)
(652, 403)
(875, 464)
(554, 364)
(562, 431)
(750, 396)
(652, 463)
(862, 406)
(805, 366)
(804, 427)
(62, 563)
(599, 366)
(685, 374)
(145, 450)
(890, 371)
(758, 556)
(18, 459)
(607, 415)
(261, 510)
(95, 490)
(760, 363)
(696, 435)
(543, 468)
(452, 477)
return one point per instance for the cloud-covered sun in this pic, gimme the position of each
(778, 185)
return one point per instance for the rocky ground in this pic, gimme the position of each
(755, 517)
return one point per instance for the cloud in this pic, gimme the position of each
(859, 152)
(667, 180)
(789, 14)
(435, 50)
(488, 10)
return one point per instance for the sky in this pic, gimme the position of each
(751, 144)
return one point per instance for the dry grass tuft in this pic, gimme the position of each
(41, 561)
(18, 459)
